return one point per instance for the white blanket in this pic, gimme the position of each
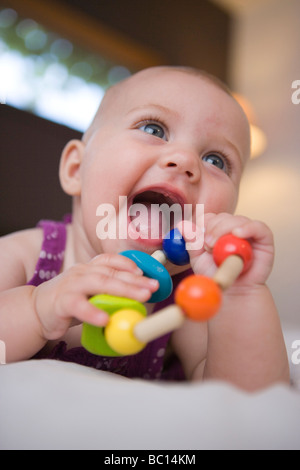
(54, 405)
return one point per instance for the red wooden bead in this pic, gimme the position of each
(232, 245)
(199, 297)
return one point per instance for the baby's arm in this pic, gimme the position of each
(19, 328)
(31, 316)
(243, 343)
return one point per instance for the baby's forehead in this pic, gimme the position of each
(154, 82)
(178, 89)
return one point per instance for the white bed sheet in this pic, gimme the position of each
(54, 405)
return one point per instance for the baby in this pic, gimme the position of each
(165, 134)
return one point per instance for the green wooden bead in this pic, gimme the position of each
(92, 337)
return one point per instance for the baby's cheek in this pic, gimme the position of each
(222, 201)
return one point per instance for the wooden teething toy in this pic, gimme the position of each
(197, 297)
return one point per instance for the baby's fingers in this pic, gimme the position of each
(255, 230)
(85, 311)
(140, 291)
(193, 236)
(219, 225)
(116, 262)
(119, 284)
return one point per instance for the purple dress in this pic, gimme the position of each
(150, 363)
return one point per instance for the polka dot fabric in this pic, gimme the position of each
(52, 252)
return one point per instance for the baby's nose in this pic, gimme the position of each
(184, 161)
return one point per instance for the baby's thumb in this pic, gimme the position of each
(200, 259)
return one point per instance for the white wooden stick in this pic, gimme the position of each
(159, 256)
(229, 271)
(159, 324)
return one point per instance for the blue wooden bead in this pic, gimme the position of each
(155, 270)
(174, 248)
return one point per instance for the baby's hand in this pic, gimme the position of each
(65, 298)
(258, 234)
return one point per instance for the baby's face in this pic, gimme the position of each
(163, 136)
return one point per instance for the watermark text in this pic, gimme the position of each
(296, 354)
(296, 94)
(150, 221)
(2, 353)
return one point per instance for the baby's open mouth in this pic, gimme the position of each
(153, 212)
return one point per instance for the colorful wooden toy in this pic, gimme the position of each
(155, 270)
(174, 248)
(119, 332)
(232, 245)
(233, 256)
(197, 298)
(93, 338)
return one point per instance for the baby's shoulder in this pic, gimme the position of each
(19, 252)
(23, 241)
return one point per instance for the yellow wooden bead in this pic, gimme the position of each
(119, 332)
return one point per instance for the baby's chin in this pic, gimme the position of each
(119, 245)
(141, 244)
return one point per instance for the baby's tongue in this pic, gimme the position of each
(149, 220)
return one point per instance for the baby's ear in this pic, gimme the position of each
(69, 169)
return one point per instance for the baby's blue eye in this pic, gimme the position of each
(154, 129)
(215, 160)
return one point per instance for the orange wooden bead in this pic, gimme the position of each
(199, 297)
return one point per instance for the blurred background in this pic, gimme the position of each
(58, 57)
